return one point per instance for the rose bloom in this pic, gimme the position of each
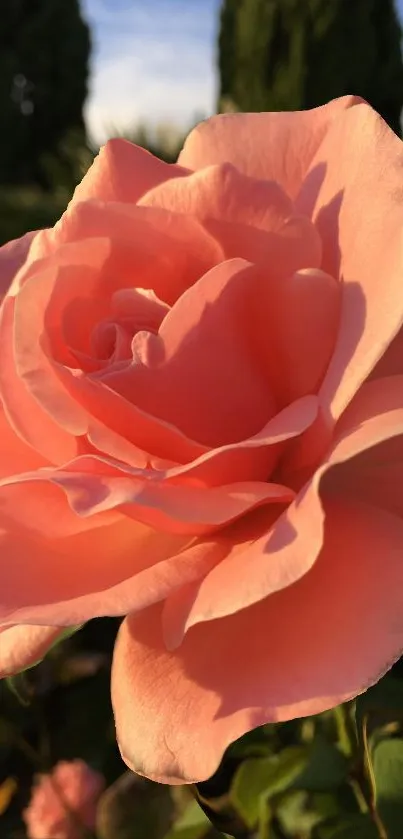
(64, 802)
(202, 429)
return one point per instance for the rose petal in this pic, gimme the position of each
(104, 570)
(176, 713)
(94, 486)
(204, 373)
(374, 415)
(251, 218)
(252, 458)
(33, 364)
(129, 424)
(374, 421)
(26, 417)
(23, 646)
(283, 550)
(12, 257)
(15, 455)
(123, 171)
(391, 363)
(274, 146)
(291, 545)
(223, 193)
(47, 403)
(351, 200)
(160, 249)
(303, 333)
(375, 476)
(34, 425)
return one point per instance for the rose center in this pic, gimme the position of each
(110, 341)
(132, 311)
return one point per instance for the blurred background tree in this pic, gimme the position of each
(44, 58)
(289, 55)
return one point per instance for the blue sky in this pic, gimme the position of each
(153, 61)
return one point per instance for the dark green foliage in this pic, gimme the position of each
(22, 210)
(336, 775)
(44, 53)
(288, 55)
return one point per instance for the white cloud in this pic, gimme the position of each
(149, 64)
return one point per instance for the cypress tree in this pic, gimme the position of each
(292, 54)
(44, 55)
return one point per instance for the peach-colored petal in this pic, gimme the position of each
(159, 249)
(250, 459)
(32, 362)
(35, 502)
(374, 415)
(23, 646)
(251, 218)
(155, 579)
(12, 257)
(205, 373)
(303, 336)
(25, 415)
(36, 391)
(290, 546)
(123, 171)
(176, 713)
(103, 570)
(303, 333)
(129, 424)
(272, 146)
(253, 458)
(375, 476)
(38, 405)
(223, 193)
(40, 533)
(121, 565)
(42, 246)
(391, 363)
(360, 218)
(108, 442)
(373, 422)
(27, 419)
(94, 486)
(15, 455)
(281, 552)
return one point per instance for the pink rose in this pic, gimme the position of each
(203, 427)
(64, 803)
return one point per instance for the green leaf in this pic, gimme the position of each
(192, 824)
(265, 830)
(265, 777)
(326, 769)
(299, 811)
(294, 815)
(381, 703)
(352, 827)
(387, 763)
(19, 686)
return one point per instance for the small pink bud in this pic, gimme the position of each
(63, 803)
